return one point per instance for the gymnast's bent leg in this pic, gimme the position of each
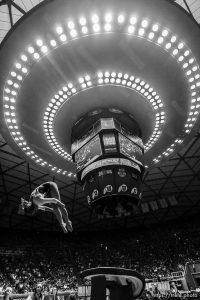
(59, 217)
(55, 193)
(57, 213)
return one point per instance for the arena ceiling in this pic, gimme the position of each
(170, 191)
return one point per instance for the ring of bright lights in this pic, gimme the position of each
(110, 78)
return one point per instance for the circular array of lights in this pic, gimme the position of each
(102, 78)
(93, 25)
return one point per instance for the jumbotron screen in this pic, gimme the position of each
(82, 141)
(88, 153)
(130, 149)
(109, 141)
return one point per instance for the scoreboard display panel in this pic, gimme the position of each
(84, 139)
(109, 142)
(88, 153)
(130, 149)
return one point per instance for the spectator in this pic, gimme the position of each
(37, 294)
(8, 294)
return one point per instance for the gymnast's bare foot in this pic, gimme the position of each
(64, 227)
(69, 225)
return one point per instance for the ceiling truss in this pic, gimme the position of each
(179, 177)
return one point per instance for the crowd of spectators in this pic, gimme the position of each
(56, 260)
(51, 266)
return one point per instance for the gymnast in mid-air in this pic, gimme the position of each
(47, 193)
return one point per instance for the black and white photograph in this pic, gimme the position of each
(99, 149)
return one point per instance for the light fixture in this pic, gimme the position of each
(131, 29)
(24, 57)
(160, 40)
(95, 18)
(82, 21)
(63, 37)
(73, 33)
(96, 27)
(39, 42)
(108, 17)
(168, 45)
(151, 35)
(107, 27)
(84, 30)
(44, 49)
(24, 70)
(18, 65)
(36, 55)
(165, 32)
(53, 43)
(121, 19)
(70, 24)
(144, 23)
(141, 31)
(155, 27)
(133, 20)
(175, 52)
(31, 50)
